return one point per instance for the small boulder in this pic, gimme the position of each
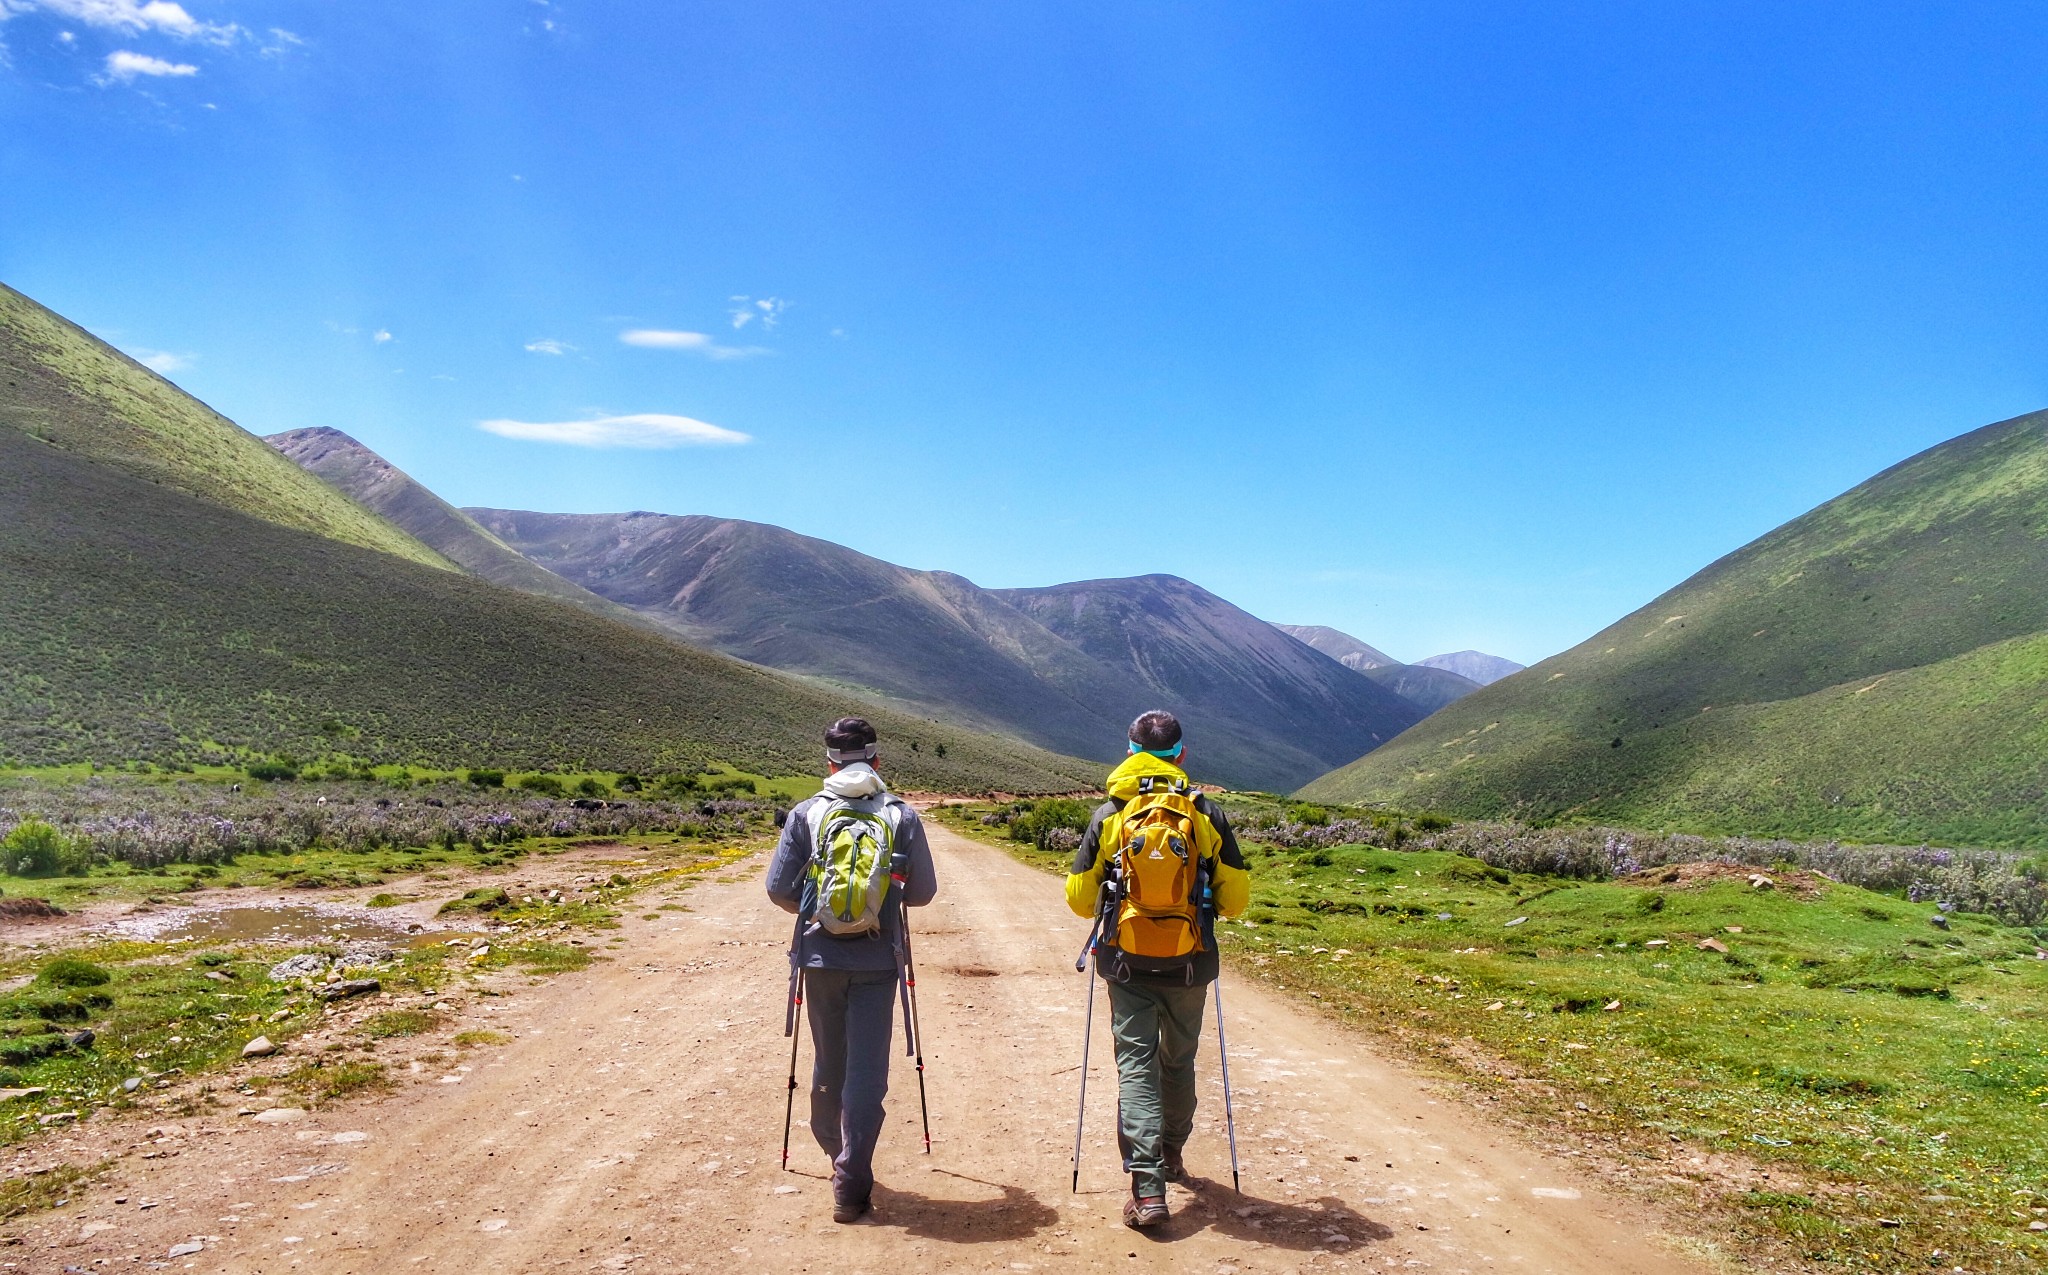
(1713, 945)
(261, 1047)
(1938, 921)
(279, 1115)
(187, 1249)
(82, 1039)
(304, 965)
(363, 956)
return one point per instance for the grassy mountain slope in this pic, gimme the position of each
(137, 622)
(1339, 646)
(377, 484)
(1871, 668)
(60, 383)
(1256, 701)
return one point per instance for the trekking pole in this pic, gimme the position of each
(916, 1028)
(1087, 1037)
(1229, 1119)
(791, 1026)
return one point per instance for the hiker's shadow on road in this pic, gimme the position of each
(1014, 1215)
(1302, 1225)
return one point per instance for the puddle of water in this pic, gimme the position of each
(291, 924)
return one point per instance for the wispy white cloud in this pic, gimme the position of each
(381, 336)
(656, 339)
(646, 430)
(164, 361)
(161, 17)
(698, 343)
(280, 42)
(125, 66)
(766, 310)
(549, 345)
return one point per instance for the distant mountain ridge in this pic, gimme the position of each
(371, 481)
(1474, 666)
(1339, 646)
(1186, 646)
(1877, 668)
(1009, 660)
(1427, 687)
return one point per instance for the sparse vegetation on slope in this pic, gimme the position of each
(373, 482)
(61, 384)
(1873, 669)
(140, 623)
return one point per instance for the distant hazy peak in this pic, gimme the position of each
(1478, 665)
(1339, 646)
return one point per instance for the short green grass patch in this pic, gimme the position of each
(325, 1080)
(35, 1192)
(399, 1022)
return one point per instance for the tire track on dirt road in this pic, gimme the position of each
(635, 1122)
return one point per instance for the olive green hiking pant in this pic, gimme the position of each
(1157, 1028)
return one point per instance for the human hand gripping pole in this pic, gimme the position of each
(913, 1027)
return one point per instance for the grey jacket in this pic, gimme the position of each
(789, 881)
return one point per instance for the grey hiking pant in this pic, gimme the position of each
(1157, 1028)
(852, 1013)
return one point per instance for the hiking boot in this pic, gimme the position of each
(848, 1210)
(1173, 1170)
(1141, 1211)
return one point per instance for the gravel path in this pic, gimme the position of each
(634, 1125)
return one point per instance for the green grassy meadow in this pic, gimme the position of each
(1891, 1077)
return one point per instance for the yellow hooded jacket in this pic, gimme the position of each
(1230, 882)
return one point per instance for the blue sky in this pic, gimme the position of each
(1449, 325)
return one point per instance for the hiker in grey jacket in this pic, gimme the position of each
(850, 983)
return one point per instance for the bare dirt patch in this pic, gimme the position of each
(1797, 882)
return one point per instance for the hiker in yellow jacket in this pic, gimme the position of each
(1173, 866)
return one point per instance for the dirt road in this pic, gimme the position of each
(634, 1124)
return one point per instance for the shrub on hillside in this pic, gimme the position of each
(1051, 823)
(487, 778)
(545, 785)
(150, 824)
(34, 849)
(2010, 887)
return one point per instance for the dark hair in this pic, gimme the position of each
(849, 733)
(1156, 731)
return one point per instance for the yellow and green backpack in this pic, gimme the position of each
(853, 846)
